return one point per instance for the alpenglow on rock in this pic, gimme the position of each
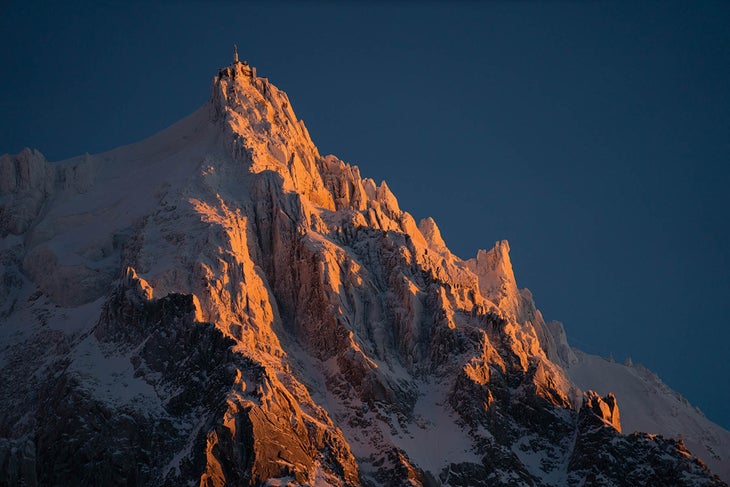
(219, 304)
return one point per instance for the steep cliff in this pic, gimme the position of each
(222, 305)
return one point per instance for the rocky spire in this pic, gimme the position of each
(604, 408)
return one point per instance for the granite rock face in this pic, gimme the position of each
(222, 305)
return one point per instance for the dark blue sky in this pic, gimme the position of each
(595, 137)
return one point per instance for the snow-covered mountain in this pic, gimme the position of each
(221, 305)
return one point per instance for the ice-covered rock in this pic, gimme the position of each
(26, 182)
(432, 234)
(220, 304)
(649, 405)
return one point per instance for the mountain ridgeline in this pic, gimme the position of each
(219, 304)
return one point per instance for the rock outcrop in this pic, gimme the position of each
(26, 182)
(604, 408)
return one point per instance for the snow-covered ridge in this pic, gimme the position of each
(258, 313)
(649, 405)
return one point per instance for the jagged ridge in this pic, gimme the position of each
(236, 308)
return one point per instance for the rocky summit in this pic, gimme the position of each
(220, 304)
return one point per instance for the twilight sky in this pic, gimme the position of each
(594, 137)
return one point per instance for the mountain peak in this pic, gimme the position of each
(496, 277)
(432, 234)
(262, 131)
(242, 310)
(240, 68)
